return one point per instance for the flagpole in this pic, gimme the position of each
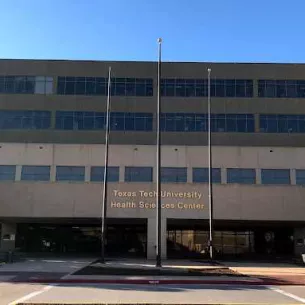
(210, 169)
(105, 181)
(158, 161)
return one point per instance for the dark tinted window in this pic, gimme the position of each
(201, 174)
(281, 123)
(97, 173)
(35, 173)
(25, 119)
(98, 86)
(300, 176)
(81, 120)
(7, 172)
(190, 122)
(281, 88)
(241, 175)
(199, 87)
(138, 174)
(275, 176)
(173, 174)
(70, 173)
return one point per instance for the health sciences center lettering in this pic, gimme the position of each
(130, 200)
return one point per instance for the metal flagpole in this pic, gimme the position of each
(210, 169)
(105, 182)
(158, 161)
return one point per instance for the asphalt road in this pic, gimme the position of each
(166, 294)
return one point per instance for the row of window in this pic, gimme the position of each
(26, 84)
(179, 87)
(199, 87)
(145, 174)
(132, 121)
(98, 86)
(281, 88)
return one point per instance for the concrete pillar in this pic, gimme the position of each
(293, 178)
(256, 123)
(255, 88)
(258, 176)
(299, 241)
(151, 238)
(53, 173)
(18, 173)
(121, 173)
(223, 173)
(8, 236)
(189, 174)
(87, 173)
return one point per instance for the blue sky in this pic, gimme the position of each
(193, 30)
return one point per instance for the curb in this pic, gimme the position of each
(163, 282)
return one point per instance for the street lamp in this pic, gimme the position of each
(158, 161)
(210, 169)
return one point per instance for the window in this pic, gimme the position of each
(67, 85)
(281, 88)
(201, 174)
(35, 173)
(25, 119)
(300, 176)
(97, 173)
(199, 87)
(195, 122)
(278, 123)
(275, 176)
(70, 173)
(138, 174)
(241, 175)
(19, 84)
(121, 121)
(173, 174)
(7, 172)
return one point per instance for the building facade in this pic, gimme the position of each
(52, 119)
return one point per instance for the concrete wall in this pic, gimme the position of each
(188, 200)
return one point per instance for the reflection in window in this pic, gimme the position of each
(25, 119)
(173, 174)
(68, 85)
(300, 176)
(281, 88)
(97, 173)
(281, 123)
(201, 174)
(70, 173)
(35, 173)
(19, 84)
(7, 172)
(241, 175)
(81, 120)
(190, 122)
(199, 87)
(275, 176)
(138, 174)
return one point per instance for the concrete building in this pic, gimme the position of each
(52, 117)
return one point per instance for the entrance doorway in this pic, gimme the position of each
(123, 239)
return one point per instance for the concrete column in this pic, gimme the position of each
(255, 88)
(87, 173)
(53, 173)
(293, 178)
(121, 174)
(18, 173)
(299, 241)
(189, 174)
(223, 174)
(258, 176)
(151, 238)
(53, 119)
(8, 236)
(256, 123)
